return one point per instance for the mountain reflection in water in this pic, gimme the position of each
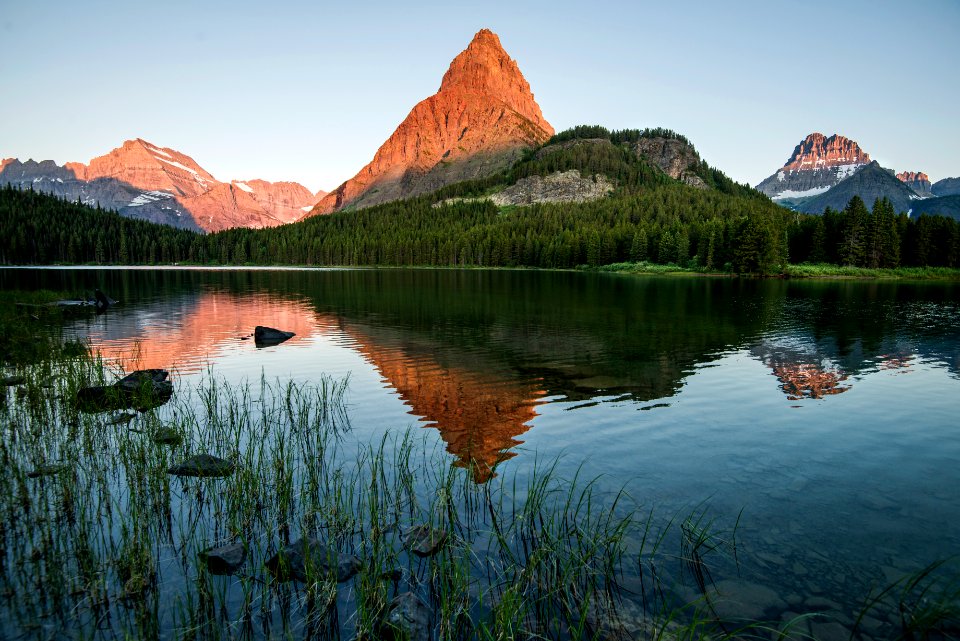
(474, 353)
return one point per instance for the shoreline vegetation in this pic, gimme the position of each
(804, 271)
(303, 533)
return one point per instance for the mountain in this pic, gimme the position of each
(479, 122)
(870, 183)
(817, 164)
(948, 206)
(946, 187)
(917, 181)
(142, 180)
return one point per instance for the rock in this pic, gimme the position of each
(742, 600)
(140, 390)
(828, 631)
(407, 618)
(423, 540)
(203, 465)
(479, 122)
(47, 469)
(265, 336)
(167, 436)
(308, 558)
(225, 559)
(10, 381)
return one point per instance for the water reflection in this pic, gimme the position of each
(474, 353)
(189, 332)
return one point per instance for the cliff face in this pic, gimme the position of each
(676, 158)
(917, 181)
(816, 164)
(479, 121)
(159, 184)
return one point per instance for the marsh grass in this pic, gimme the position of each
(107, 544)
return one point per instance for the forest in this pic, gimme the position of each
(649, 217)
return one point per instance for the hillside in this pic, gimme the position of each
(948, 206)
(870, 183)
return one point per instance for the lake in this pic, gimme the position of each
(825, 415)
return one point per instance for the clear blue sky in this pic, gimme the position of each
(307, 91)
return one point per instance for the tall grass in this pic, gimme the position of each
(106, 544)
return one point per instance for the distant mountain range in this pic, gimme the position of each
(145, 181)
(481, 121)
(828, 171)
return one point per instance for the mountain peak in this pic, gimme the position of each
(818, 163)
(477, 123)
(817, 150)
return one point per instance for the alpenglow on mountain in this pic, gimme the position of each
(479, 122)
(816, 164)
(162, 185)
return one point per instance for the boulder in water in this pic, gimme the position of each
(407, 618)
(310, 556)
(424, 540)
(203, 465)
(225, 559)
(266, 336)
(140, 390)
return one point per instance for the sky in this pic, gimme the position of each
(308, 91)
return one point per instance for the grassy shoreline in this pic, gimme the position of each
(806, 271)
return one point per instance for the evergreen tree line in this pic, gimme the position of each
(667, 222)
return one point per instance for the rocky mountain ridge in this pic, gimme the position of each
(917, 181)
(816, 164)
(159, 184)
(481, 119)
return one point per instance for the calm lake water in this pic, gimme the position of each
(828, 412)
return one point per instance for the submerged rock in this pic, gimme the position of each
(203, 465)
(140, 390)
(311, 556)
(167, 436)
(423, 540)
(47, 469)
(266, 336)
(225, 559)
(407, 618)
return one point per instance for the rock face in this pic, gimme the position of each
(870, 182)
(559, 187)
(676, 158)
(159, 184)
(917, 181)
(946, 187)
(817, 164)
(479, 121)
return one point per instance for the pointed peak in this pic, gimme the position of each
(487, 38)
